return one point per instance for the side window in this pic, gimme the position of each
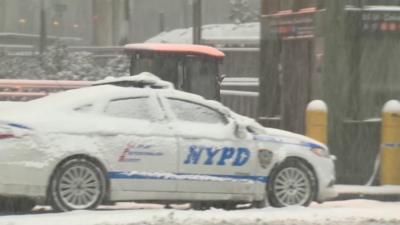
(189, 111)
(135, 108)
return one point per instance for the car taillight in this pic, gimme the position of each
(5, 132)
(5, 136)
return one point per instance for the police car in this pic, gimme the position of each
(139, 139)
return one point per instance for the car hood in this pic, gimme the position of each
(277, 135)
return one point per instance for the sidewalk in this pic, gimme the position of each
(382, 193)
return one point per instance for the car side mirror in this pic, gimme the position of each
(240, 130)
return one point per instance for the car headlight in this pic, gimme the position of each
(321, 152)
(265, 157)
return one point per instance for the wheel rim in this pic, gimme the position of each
(292, 187)
(79, 187)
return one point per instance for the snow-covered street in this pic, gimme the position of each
(365, 212)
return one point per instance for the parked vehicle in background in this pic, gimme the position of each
(192, 68)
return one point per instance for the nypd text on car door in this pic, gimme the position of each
(212, 159)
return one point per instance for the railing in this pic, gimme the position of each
(241, 95)
(36, 88)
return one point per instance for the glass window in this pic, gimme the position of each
(189, 111)
(135, 108)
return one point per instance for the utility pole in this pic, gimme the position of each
(102, 22)
(197, 21)
(269, 91)
(43, 29)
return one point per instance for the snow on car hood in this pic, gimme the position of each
(277, 135)
(290, 138)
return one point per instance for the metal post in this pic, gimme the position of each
(317, 121)
(269, 90)
(197, 21)
(390, 155)
(43, 29)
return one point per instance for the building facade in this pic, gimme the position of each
(109, 22)
(344, 52)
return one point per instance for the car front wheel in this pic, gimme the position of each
(77, 184)
(291, 183)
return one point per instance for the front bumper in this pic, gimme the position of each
(325, 171)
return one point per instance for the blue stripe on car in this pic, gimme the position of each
(18, 126)
(183, 176)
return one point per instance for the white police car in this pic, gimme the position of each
(107, 143)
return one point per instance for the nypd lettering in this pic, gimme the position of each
(217, 156)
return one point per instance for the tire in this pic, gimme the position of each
(218, 205)
(200, 206)
(77, 184)
(17, 205)
(291, 183)
(259, 204)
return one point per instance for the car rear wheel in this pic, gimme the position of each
(77, 184)
(291, 183)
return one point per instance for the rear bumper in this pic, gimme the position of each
(20, 179)
(22, 190)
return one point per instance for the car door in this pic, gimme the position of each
(141, 148)
(212, 159)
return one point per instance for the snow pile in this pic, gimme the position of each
(212, 32)
(317, 105)
(392, 106)
(368, 190)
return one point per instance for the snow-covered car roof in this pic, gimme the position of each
(117, 87)
(141, 80)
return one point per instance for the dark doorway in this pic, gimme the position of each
(296, 82)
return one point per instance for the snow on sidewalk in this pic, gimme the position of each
(330, 213)
(368, 190)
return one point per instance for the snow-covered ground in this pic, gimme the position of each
(365, 212)
(214, 33)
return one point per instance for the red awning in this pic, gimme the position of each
(176, 48)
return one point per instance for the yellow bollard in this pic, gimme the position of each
(317, 120)
(390, 143)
